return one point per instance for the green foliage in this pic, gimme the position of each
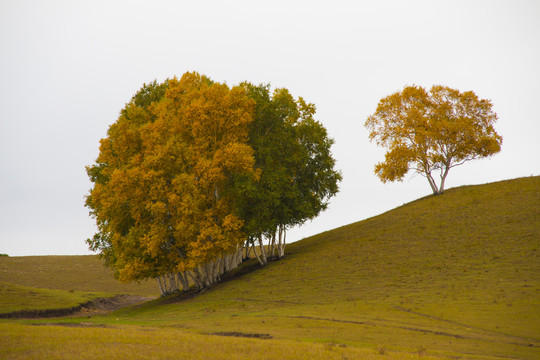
(149, 94)
(5, 255)
(192, 168)
(292, 153)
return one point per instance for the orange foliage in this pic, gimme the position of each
(161, 176)
(430, 132)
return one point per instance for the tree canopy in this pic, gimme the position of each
(432, 132)
(292, 153)
(193, 170)
(160, 181)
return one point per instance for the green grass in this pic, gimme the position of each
(71, 273)
(17, 298)
(129, 342)
(450, 276)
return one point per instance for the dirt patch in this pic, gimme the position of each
(93, 307)
(46, 313)
(105, 305)
(240, 334)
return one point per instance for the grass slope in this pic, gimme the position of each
(23, 298)
(451, 276)
(70, 273)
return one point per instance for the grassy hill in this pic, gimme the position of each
(60, 283)
(450, 276)
(70, 273)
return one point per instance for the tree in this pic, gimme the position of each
(432, 132)
(193, 168)
(297, 175)
(160, 197)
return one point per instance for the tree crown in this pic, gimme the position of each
(430, 132)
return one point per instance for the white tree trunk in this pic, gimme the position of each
(238, 257)
(161, 289)
(282, 241)
(264, 258)
(432, 183)
(257, 254)
(248, 250)
(272, 246)
(195, 277)
(173, 283)
(183, 278)
(443, 179)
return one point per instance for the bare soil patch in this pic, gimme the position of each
(240, 334)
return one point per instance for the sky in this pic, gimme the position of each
(68, 67)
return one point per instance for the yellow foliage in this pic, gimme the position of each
(160, 180)
(431, 132)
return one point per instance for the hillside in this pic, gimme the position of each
(71, 273)
(39, 285)
(457, 272)
(451, 276)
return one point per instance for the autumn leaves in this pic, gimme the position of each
(193, 170)
(432, 132)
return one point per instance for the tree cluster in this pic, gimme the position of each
(194, 175)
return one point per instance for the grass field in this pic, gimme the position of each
(451, 276)
(70, 273)
(19, 298)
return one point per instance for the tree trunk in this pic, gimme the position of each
(164, 282)
(443, 179)
(203, 271)
(282, 241)
(173, 284)
(161, 290)
(248, 250)
(183, 278)
(263, 251)
(227, 262)
(238, 257)
(432, 183)
(272, 245)
(217, 270)
(197, 278)
(256, 254)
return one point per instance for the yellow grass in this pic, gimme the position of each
(136, 342)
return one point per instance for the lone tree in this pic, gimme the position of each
(432, 132)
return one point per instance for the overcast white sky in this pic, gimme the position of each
(68, 67)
